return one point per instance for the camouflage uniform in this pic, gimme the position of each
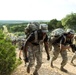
(19, 44)
(73, 58)
(61, 40)
(34, 41)
(34, 52)
(56, 51)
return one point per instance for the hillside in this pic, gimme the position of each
(46, 69)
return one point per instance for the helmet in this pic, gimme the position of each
(44, 27)
(71, 31)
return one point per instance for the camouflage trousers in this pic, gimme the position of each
(34, 52)
(56, 51)
(74, 57)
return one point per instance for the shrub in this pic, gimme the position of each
(7, 56)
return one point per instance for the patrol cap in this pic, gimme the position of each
(44, 28)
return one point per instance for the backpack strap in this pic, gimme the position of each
(64, 39)
(36, 36)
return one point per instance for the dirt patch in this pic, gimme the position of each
(46, 69)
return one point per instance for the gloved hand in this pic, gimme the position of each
(26, 59)
(48, 57)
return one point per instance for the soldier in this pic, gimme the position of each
(74, 56)
(60, 46)
(21, 44)
(34, 52)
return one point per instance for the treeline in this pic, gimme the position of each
(69, 21)
(16, 27)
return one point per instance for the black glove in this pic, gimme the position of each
(26, 59)
(48, 57)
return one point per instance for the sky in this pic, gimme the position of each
(36, 9)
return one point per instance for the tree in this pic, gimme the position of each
(59, 24)
(69, 21)
(54, 23)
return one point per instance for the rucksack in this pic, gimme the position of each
(56, 34)
(37, 32)
(32, 27)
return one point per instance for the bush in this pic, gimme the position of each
(7, 56)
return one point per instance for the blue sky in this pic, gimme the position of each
(36, 9)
